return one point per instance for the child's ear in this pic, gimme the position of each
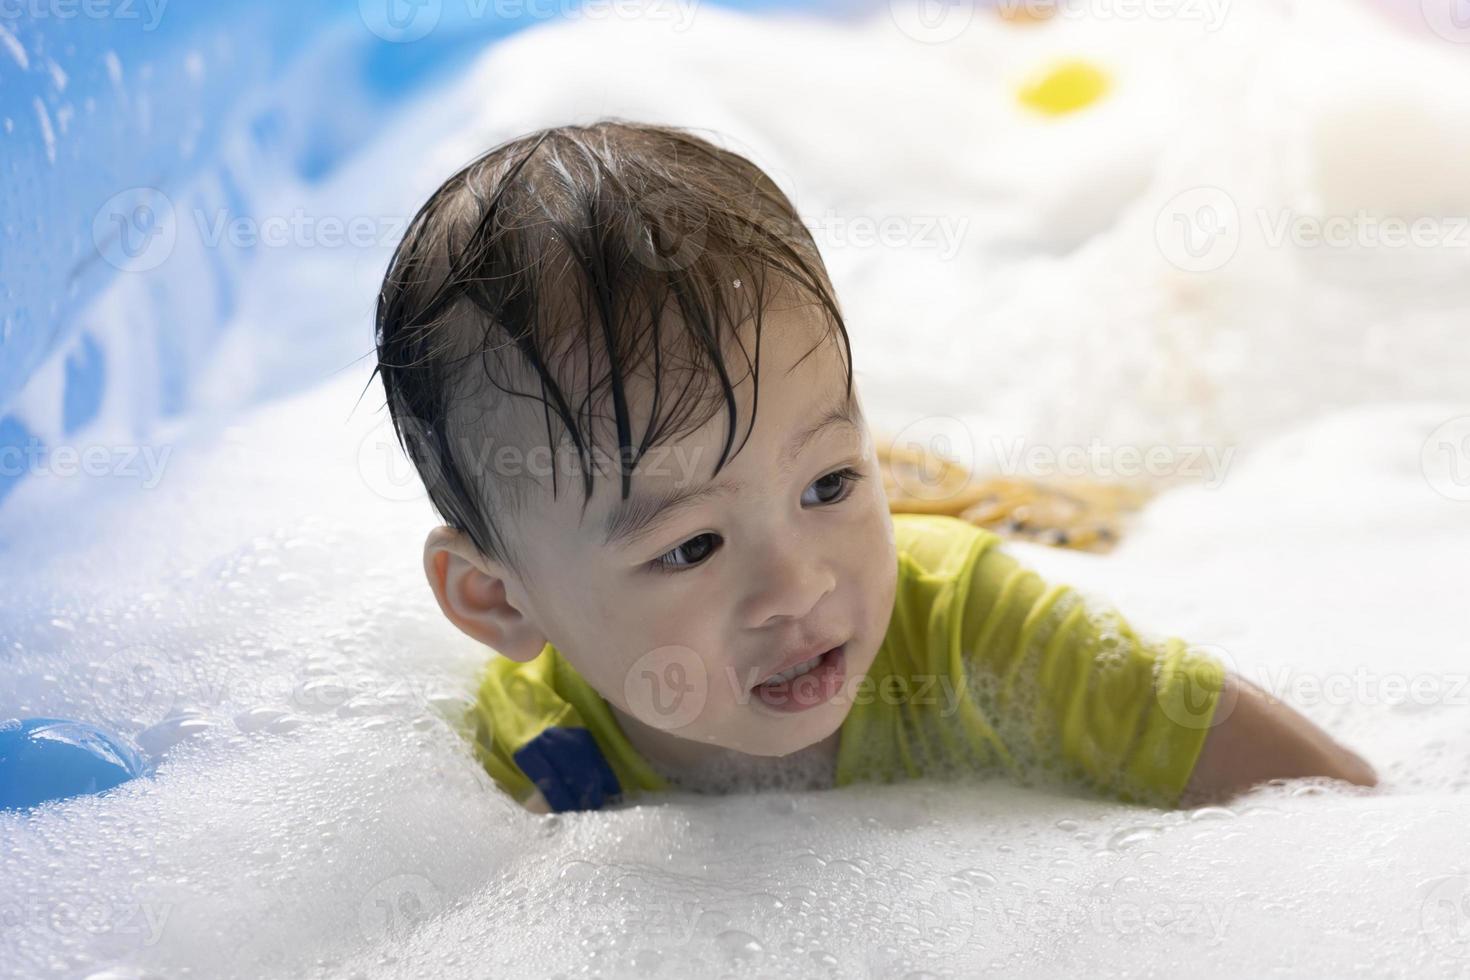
(471, 592)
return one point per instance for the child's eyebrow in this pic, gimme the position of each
(642, 514)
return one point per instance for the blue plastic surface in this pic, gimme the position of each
(109, 111)
(52, 759)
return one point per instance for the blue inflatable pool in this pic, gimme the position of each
(45, 759)
(109, 111)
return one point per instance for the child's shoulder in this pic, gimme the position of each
(938, 544)
(541, 727)
(940, 566)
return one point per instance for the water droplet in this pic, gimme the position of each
(740, 947)
(1129, 836)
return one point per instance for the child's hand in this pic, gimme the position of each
(536, 803)
(1262, 738)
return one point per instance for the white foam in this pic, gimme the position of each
(259, 621)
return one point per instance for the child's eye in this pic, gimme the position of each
(835, 486)
(695, 550)
(830, 489)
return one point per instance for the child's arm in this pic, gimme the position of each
(1259, 738)
(1068, 682)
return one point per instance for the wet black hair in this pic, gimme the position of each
(561, 257)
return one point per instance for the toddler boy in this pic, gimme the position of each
(613, 353)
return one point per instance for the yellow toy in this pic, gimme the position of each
(1065, 88)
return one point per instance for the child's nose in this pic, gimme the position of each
(788, 585)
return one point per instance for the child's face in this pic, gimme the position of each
(678, 624)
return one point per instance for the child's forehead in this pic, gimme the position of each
(680, 473)
(800, 373)
(683, 420)
(790, 356)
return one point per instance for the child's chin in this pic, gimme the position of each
(779, 735)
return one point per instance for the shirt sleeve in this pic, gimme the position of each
(492, 751)
(1069, 689)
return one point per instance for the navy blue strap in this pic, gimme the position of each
(569, 769)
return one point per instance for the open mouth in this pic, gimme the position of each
(806, 685)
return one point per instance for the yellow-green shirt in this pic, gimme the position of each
(984, 667)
